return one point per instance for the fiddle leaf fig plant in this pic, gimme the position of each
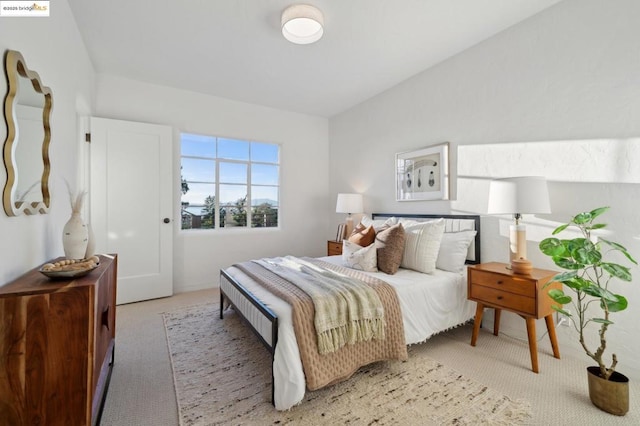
(588, 275)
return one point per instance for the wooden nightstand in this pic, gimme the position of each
(334, 248)
(493, 285)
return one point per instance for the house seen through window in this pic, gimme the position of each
(228, 182)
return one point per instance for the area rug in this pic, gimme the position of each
(222, 376)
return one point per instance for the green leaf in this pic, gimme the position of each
(562, 311)
(597, 212)
(564, 276)
(552, 247)
(597, 226)
(601, 321)
(592, 289)
(565, 263)
(628, 256)
(620, 248)
(587, 254)
(582, 218)
(613, 244)
(578, 283)
(618, 271)
(560, 228)
(608, 296)
(558, 296)
(619, 305)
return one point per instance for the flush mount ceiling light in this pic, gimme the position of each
(302, 24)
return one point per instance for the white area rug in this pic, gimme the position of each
(222, 376)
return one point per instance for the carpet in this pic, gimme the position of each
(222, 375)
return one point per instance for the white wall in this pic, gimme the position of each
(199, 255)
(558, 96)
(52, 46)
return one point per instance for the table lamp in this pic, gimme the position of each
(518, 196)
(349, 203)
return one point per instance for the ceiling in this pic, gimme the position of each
(234, 49)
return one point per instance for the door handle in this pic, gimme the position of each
(166, 220)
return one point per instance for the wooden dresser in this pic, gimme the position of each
(56, 347)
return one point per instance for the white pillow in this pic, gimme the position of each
(408, 222)
(453, 250)
(361, 258)
(378, 224)
(422, 245)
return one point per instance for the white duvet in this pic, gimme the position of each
(430, 303)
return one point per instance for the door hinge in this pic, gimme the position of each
(87, 137)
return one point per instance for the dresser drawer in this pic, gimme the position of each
(503, 299)
(105, 321)
(504, 282)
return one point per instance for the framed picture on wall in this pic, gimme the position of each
(423, 174)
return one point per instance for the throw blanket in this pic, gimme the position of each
(346, 309)
(323, 370)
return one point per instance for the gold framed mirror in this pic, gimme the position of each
(27, 112)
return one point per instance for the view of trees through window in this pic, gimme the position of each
(228, 182)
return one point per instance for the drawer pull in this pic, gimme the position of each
(499, 282)
(499, 297)
(105, 317)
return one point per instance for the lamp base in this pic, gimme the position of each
(349, 227)
(521, 266)
(517, 242)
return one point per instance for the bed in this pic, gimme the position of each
(430, 303)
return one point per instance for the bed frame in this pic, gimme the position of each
(264, 322)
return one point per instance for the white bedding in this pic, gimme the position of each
(430, 303)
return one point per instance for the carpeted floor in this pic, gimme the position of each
(223, 374)
(142, 391)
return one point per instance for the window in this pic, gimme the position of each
(219, 175)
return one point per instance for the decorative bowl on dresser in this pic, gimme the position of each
(57, 340)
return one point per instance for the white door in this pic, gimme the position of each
(131, 204)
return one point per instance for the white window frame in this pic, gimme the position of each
(217, 160)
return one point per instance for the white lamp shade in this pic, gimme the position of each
(349, 203)
(519, 195)
(302, 24)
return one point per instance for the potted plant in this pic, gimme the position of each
(589, 275)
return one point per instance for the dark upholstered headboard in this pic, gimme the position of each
(453, 223)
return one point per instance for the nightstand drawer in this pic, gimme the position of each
(334, 248)
(503, 282)
(496, 297)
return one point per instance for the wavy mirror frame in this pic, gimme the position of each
(16, 67)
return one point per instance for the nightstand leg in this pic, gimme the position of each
(533, 345)
(551, 328)
(496, 321)
(476, 323)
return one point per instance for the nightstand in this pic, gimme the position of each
(334, 248)
(492, 285)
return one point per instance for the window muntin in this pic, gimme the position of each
(220, 175)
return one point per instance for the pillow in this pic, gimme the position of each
(408, 222)
(389, 248)
(422, 245)
(378, 224)
(363, 235)
(357, 257)
(453, 250)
